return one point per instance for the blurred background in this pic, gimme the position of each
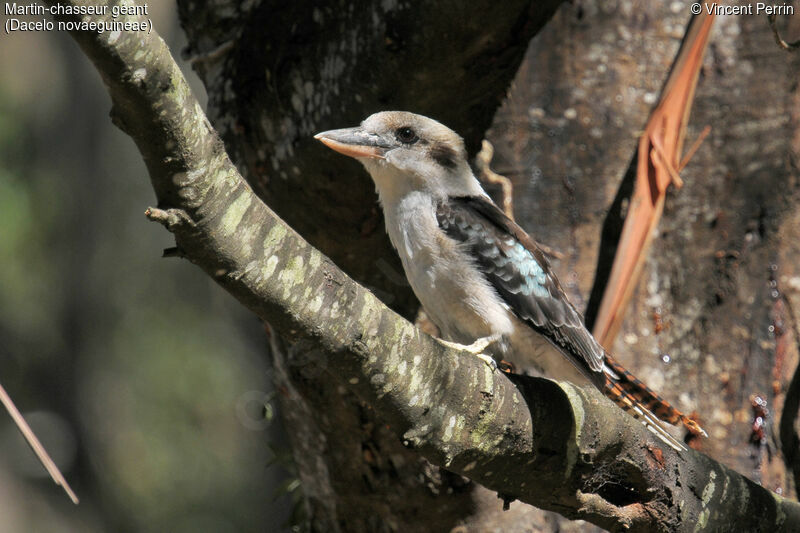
(143, 379)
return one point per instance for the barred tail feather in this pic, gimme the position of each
(638, 411)
(627, 391)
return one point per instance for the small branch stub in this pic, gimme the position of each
(169, 218)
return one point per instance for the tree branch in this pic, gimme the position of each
(549, 444)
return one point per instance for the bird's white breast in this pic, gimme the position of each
(444, 278)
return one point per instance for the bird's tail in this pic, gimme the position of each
(628, 392)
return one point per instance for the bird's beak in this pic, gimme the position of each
(354, 142)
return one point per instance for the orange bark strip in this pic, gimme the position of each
(658, 165)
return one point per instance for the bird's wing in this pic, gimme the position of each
(519, 272)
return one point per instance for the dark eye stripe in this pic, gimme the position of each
(444, 155)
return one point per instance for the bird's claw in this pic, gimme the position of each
(488, 359)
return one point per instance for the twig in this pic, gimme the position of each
(695, 145)
(36, 445)
(794, 45)
(486, 174)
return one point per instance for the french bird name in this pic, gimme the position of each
(13, 9)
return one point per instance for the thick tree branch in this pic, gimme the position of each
(552, 445)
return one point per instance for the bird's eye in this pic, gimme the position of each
(406, 135)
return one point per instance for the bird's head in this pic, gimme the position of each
(404, 152)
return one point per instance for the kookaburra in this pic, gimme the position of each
(477, 273)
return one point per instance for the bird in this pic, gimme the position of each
(482, 280)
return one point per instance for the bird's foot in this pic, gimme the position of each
(476, 348)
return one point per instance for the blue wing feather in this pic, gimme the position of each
(519, 272)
